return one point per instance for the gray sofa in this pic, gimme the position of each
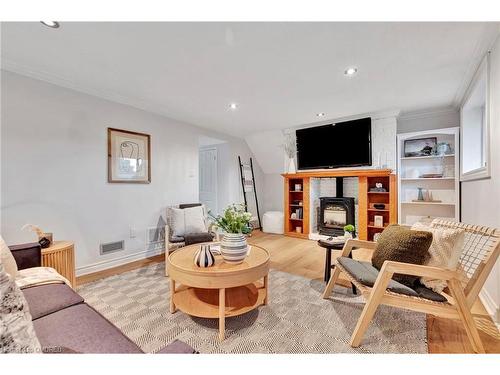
(65, 323)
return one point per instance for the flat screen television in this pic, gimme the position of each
(344, 144)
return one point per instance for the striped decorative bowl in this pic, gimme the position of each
(234, 248)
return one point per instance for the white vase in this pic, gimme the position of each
(347, 235)
(291, 166)
(234, 248)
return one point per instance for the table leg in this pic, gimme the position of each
(172, 292)
(266, 288)
(328, 265)
(222, 313)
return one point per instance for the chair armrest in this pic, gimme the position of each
(350, 244)
(393, 267)
(27, 255)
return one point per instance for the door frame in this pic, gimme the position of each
(211, 148)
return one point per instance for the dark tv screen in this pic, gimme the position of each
(344, 144)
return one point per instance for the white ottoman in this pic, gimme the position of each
(273, 222)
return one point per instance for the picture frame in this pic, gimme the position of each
(420, 147)
(129, 157)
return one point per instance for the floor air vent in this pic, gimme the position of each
(111, 247)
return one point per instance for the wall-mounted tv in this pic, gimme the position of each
(344, 144)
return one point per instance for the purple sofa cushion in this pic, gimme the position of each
(177, 347)
(82, 329)
(47, 299)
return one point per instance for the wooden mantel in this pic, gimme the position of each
(340, 173)
(299, 200)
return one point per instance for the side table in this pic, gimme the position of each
(328, 246)
(60, 255)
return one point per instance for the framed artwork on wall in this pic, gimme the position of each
(129, 157)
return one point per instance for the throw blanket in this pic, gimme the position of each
(39, 276)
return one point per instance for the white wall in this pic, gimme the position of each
(54, 170)
(481, 199)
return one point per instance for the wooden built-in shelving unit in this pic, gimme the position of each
(367, 178)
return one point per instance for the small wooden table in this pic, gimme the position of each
(60, 255)
(329, 246)
(220, 291)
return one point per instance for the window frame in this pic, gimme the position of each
(484, 171)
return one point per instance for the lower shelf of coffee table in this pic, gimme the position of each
(204, 303)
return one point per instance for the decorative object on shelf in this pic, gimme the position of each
(419, 146)
(378, 188)
(44, 239)
(378, 221)
(349, 231)
(298, 187)
(379, 206)
(300, 203)
(293, 215)
(420, 194)
(376, 236)
(298, 229)
(290, 147)
(129, 156)
(235, 222)
(432, 175)
(443, 148)
(203, 257)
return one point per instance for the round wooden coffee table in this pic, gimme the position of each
(220, 291)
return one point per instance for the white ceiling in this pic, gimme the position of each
(280, 74)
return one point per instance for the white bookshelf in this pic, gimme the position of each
(445, 190)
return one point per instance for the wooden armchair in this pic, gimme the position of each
(480, 251)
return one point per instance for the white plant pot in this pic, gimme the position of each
(234, 248)
(291, 166)
(347, 235)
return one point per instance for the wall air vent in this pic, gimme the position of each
(112, 247)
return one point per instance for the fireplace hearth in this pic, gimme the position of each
(334, 214)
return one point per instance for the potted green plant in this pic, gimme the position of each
(349, 231)
(235, 222)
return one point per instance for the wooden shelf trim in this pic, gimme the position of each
(427, 157)
(340, 173)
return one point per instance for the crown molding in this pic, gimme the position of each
(425, 113)
(484, 44)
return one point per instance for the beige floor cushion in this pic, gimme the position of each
(7, 259)
(444, 252)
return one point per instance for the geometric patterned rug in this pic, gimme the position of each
(296, 320)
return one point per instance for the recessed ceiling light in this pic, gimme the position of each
(321, 114)
(52, 24)
(351, 71)
(233, 106)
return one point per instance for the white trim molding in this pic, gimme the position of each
(491, 307)
(115, 262)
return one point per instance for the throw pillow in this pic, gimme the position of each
(177, 224)
(401, 244)
(7, 259)
(17, 334)
(195, 220)
(445, 252)
(187, 220)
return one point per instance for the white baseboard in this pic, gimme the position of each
(491, 307)
(115, 262)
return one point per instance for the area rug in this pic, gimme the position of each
(296, 320)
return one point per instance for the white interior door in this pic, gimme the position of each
(208, 179)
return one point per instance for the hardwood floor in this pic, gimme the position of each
(306, 258)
